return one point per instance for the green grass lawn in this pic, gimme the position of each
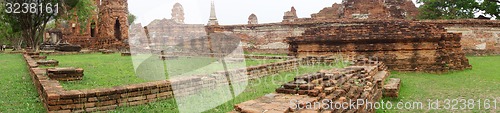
(17, 93)
(100, 70)
(255, 89)
(108, 70)
(482, 82)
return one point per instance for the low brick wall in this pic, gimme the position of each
(273, 68)
(268, 57)
(67, 53)
(57, 99)
(48, 62)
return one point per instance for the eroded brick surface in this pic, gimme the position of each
(401, 45)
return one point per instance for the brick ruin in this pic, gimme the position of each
(479, 37)
(252, 19)
(172, 33)
(402, 45)
(290, 15)
(369, 9)
(107, 28)
(472, 37)
(364, 81)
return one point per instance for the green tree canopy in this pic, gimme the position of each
(31, 20)
(490, 7)
(131, 18)
(447, 9)
(457, 9)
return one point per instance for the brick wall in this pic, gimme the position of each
(479, 37)
(56, 99)
(270, 38)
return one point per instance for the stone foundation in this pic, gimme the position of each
(391, 89)
(39, 57)
(126, 54)
(402, 45)
(69, 48)
(65, 74)
(48, 63)
(108, 52)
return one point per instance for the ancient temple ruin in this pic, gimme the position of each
(106, 29)
(369, 9)
(172, 35)
(378, 29)
(252, 19)
(401, 45)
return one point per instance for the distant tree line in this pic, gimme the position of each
(458, 9)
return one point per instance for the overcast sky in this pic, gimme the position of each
(228, 11)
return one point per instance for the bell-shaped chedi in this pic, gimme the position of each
(252, 19)
(178, 13)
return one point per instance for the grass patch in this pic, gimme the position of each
(17, 92)
(481, 82)
(255, 89)
(101, 70)
(19, 95)
(108, 70)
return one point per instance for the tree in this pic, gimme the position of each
(448, 9)
(8, 34)
(458, 9)
(490, 7)
(32, 18)
(131, 18)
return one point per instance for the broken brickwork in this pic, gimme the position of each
(48, 63)
(391, 89)
(402, 45)
(107, 28)
(362, 81)
(170, 33)
(65, 74)
(290, 15)
(479, 37)
(252, 19)
(369, 9)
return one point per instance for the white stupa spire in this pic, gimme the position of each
(213, 17)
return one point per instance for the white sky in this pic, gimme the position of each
(228, 11)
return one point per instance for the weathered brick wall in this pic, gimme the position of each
(479, 37)
(402, 45)
(262, 38)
